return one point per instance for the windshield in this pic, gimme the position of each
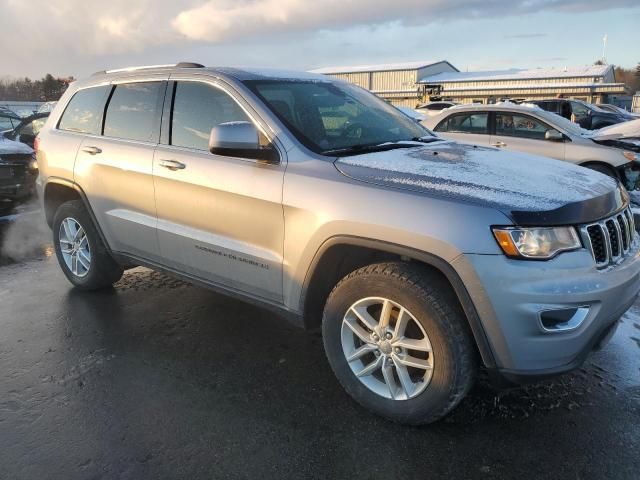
(562, 122)
(330, 117)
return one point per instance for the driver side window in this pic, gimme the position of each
(197, 108)
(522, 126)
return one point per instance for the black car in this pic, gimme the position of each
(584, 114)
(18, 171)
(27, 129)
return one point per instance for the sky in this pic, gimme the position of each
(78, 37)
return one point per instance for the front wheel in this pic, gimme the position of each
(80, 251)
(398, 342)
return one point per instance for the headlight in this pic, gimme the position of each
(33, 165)
(632, 157)
(539, 243)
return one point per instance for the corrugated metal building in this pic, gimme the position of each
(395, 82)
(593, 83)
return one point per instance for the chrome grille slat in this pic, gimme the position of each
(610, 239)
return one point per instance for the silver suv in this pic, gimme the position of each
(419, 258)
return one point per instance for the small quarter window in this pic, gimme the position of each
(84, 112)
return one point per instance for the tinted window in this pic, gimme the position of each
(84, 111)
(197, 108)
(8, 123)
(521, 126)
(328, 116)
(134, 111)
(464, 123)
(579, 110)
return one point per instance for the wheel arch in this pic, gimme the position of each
(600, 166)
(58, 191)
(341, 255)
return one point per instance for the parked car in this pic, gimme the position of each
(28, 128)
(46, 107)
(528, 128)
(416, 257)
(434, 108)
(413, 114)
(617, 110)
(585, 114)
(18, 170)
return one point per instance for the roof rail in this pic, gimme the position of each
(147, 67)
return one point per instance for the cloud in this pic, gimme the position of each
(117, 26)
(217, 21)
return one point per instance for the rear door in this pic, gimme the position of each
(116, 168)
(466, 127)
(524, 133)
(219, 218)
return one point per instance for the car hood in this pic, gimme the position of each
(624, 130)
(8, 147)
(531, 190)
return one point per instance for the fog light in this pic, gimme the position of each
(563, 320)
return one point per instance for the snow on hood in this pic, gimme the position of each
(629, 129)
(501, 179)
(8, 147)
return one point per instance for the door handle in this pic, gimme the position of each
(172, 165)
(92, 150)
(499, 144)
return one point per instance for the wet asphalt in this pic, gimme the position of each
(157, 379)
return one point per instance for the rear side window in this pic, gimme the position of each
(84, 112)
(197, 108)
(464, 123)
(134, 111)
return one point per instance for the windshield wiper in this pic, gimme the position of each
(379, 147)
(427, 139)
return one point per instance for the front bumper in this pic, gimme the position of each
(510, 296)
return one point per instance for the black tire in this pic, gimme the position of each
(436, 308)
(103, 270)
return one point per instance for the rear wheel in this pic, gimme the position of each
(80, 251)
(398, 342)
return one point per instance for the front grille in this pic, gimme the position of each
(12, 174)
(21, 158)
(610, 239)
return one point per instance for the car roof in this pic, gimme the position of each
(237, 73)
(524, 108)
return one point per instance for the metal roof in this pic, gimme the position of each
(519, 74)
(383, 67)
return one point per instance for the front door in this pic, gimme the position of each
(219, 218)
(524, 133)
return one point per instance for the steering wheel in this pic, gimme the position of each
(353, 130)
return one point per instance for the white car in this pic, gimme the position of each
(434, 108)
(613, 150)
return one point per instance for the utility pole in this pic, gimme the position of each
(604, 49)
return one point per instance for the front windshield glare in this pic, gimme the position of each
(327, 116)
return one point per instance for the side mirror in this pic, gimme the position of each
(553, 136)
(241, 139)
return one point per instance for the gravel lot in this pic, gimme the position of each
(160, 379)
